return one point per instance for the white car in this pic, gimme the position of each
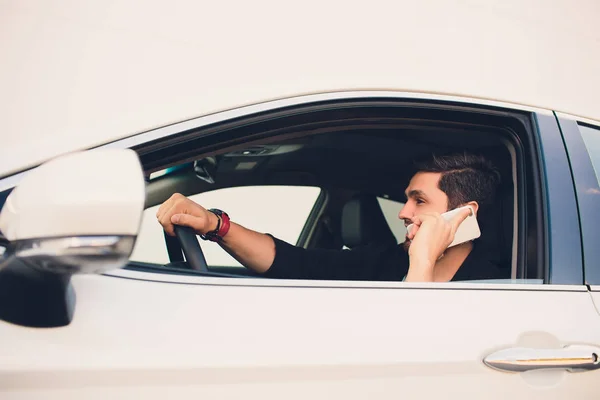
(301, 140)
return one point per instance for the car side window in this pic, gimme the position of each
(591, 138)
(278, 210)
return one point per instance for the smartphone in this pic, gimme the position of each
(467, 230)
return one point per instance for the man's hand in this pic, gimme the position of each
(179, 210)
(430, 236)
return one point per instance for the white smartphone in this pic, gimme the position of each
(467, 230)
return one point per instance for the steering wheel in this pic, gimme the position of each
(191, 248)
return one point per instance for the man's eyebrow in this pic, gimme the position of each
(415, 193)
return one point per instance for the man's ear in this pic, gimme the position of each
(475, 206)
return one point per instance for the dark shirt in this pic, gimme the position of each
(377, 262)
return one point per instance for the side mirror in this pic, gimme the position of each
(79, 213)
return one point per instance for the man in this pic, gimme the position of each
(440, 184)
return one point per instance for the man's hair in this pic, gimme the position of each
(465, 177)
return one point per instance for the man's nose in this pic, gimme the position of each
(406, 213)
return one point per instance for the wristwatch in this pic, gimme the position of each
(222, 226)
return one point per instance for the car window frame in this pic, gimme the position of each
(587, 189)
(568, 269)
(564, 274)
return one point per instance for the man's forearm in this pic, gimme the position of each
(252, 249)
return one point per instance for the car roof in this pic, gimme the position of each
(82, 74)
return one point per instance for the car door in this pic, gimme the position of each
(167, 335)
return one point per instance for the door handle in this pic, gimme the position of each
(574, 358)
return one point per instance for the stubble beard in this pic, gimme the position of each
(406, 245)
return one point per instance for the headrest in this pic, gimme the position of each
(363, 222)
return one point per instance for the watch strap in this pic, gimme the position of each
(222, 228)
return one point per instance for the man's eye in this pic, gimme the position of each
(420, 201)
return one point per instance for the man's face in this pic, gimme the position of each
(423, 196)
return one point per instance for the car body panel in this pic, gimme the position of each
(195, 336)
(80, 74)
(595, 293)
(151, 335)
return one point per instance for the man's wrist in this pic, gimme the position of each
(213, 222)
(222, 226)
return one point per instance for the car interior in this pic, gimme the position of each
(355, 153)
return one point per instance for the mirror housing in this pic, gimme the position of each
(79, 213)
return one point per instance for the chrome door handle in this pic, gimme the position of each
(574, 358)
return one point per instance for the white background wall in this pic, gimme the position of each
(76, 73)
